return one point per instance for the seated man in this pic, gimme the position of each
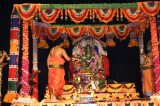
(56, 73)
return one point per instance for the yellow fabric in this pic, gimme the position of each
(66, 87)
(9, 97)
(114, 90)
(130, 89)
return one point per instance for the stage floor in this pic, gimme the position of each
(127, 103)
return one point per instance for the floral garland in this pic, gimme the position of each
(49, 15)
(150, 8)
(107, 97)
(35, 60)
(156, 64)
(121, 88)
(158, 21)
(133, 85)
(121, 31)
(27, 11)
(75, 32)
(113, 95)
(134, 14)
(77, 16)
(105, 15)
(67, 90)
(90, 6)
(114, 87)
(54, 32)
(97, 31)
(90, 51)
(67, 98)
(25, 60)
(79, 12)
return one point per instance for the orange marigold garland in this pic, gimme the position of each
(75, 32)
(156, 64)
(78, 15)
(158, 20)
(134, 15)
(35, 60)
(150, 8)
(105, 15)
(97, 31)
(50, 15)
(121, 31)
(54, 32)
(27, 11)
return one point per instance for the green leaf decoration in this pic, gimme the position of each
(151, 3)
(97, 29)
(76, 29)
(53, 30)
(90, 6)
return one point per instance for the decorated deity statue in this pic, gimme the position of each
(148, 86)
(90, 61)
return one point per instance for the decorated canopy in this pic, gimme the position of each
(140, 15)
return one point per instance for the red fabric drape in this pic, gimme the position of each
(71, 70)
(106, 65)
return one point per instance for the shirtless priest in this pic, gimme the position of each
(56, 73)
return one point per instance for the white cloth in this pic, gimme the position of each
(76, 49)
(100, 49)
(93, 85)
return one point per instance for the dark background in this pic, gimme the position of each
(124, 61)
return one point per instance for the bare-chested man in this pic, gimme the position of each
(56, 73)
(148, 86)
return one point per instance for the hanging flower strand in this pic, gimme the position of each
(25, 59)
